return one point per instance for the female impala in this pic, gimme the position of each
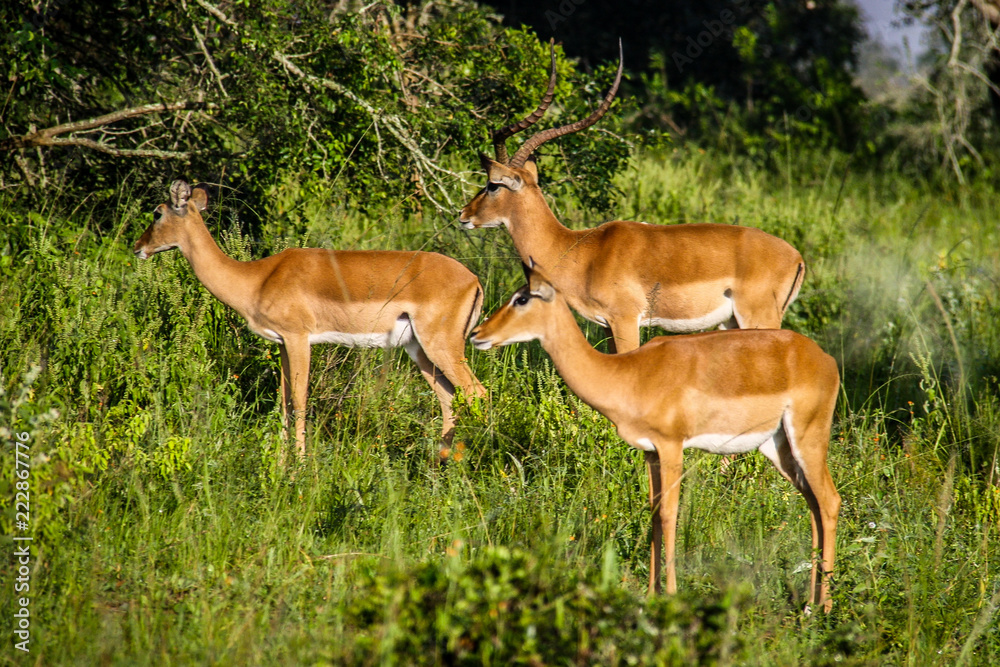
(625, 275)
(422, 301)
(726, 392)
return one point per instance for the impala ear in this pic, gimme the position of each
(499, 173)
(514, 183)
(486, 161)
(531, 166)
(199, 197)
(180, 191)
(542, 289)
(538, 284)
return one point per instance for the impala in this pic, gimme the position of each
(626, 275)
(422, 301)
(725, 392)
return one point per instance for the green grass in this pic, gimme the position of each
(166, 533)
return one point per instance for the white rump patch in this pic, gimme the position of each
(793, 441)
(719, 443)
(784, 437)
(720, 315)
(400, 335)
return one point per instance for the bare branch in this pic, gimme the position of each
(47, 136)
(425, 167)
(989, 9)
(956, 40)
(117, 152)
(217, 13)
(443, 88)
(22, 165)
(395, 126)
(208, 57)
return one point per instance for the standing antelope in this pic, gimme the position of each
(725, 392)
(422, 301)
(625, 275)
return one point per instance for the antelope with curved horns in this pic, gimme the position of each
(626, 275)
(726, 392)
(422, 301)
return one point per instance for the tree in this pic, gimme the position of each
(380, 101)
(963, 82)
(760, 61)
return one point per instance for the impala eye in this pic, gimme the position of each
(492, 187)
(521, 300)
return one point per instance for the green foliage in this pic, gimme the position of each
(783, 80)
(305, 101)
(508, 607)
(740, 74)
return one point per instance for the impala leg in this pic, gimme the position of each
(441, 385)
(285, 389)
(762, 308)
(671, 467)
(825, 508)
(803, 463)
(452, 363)
(440, 355)
(624, 338)
(285, 398)
(656, 543)
(609, 335)
(297, 351)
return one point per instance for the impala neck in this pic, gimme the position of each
(538, 234)
(226, 278)
(590, 374)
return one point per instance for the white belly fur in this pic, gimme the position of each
(401, 334)
(719, 443)
(721, 314)
(716, 443)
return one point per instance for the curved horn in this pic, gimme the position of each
(536, 140)
(501, 135)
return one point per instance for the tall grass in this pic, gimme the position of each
(166, 532)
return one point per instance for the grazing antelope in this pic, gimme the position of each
(725, 392)
(422, 301)
(626, 275)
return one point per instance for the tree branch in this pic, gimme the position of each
(208, 57)
(395, 125)
(956, 41)
(425, 167)
(989, 9)
(117, 152)
(217, 13)
(47, 137)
